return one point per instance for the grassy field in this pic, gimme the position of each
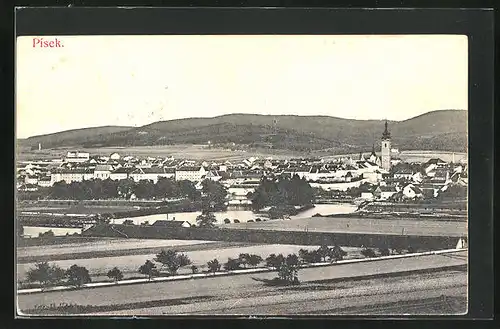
(129, 264)
(109, 244)
(243, 291)
(75, 209)
(201, 152)
(361, 225)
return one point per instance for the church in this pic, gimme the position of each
(383, 161)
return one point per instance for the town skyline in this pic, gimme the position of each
(136, 80)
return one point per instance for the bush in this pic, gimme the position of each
(115, 274)
(368, 252)
(78, 275)
(384, 251)
(232, 264)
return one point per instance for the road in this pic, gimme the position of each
(241, 292)
(361, 225)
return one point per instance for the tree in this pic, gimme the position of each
(148, 269)
(206, 219)
(368, 252)
(214, 195)
(144, 189)
(336, 253)
(214, 265)
(128, 222)
(324, 252)
(254, 260)
(78, 275)
(115, 274)
(125, 188)
(288, 270)
(232, 264)
(274, 261)
(45, 274)
(384, 251)
(243, 258)
(227, 221)
(194, 269)
(172, 260)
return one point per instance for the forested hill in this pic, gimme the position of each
(439, 130)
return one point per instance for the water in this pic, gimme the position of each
(242, 215)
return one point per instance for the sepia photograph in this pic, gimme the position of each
(241, 175)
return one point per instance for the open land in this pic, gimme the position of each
(330, 289)
(202, 152)
(199, 255)
(361, 225)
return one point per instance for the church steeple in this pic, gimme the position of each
(373, 150)
(386, 134)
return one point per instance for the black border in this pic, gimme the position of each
(477, 24)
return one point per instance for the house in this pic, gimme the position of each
(77, 157)
(191, 173)
(367, 195)
(213, 175)
(153, 174)
(384, 192)
(31, 179)
(70, 175)
(102, 171)
(404, 174)
(121, 173)
(411, 191)
(114, 156)
(45, 181)
(171, 223)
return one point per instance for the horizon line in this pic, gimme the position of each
(235, 113)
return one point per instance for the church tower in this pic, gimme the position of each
(386, 149)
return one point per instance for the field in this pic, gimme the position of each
(202, 152)
(326, 289)
(361, 225)
(103, 245)
(74, 209)
(129, 264)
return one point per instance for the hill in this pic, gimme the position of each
(439, 130)
(71, 137)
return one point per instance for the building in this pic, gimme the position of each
(120, 173)
(114, 156)
(45, 181)
(191, 173)
(153, 174)
(171, 223)
(102, 171)
(69, 175)
(77, 157)
(411, 191)
(386, 149)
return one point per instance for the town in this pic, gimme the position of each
(369, 177)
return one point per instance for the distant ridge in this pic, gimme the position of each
(444, 130)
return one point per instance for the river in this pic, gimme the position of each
(242, 215)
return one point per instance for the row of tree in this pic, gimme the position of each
(171, 261)
(49, 275)
(283, 191)
(111, 189)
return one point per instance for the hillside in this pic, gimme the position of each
(439, 130)
(71, 137)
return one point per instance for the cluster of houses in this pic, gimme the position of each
(244, 176)
(425, 180)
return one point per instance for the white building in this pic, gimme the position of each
(102, 171)
(77, 157)
(120, 173)
(191, 173)
(411, 191)
(153, 174)
(114, 156)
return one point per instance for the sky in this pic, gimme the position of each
(136, 80)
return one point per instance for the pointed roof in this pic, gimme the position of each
(386, 134)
